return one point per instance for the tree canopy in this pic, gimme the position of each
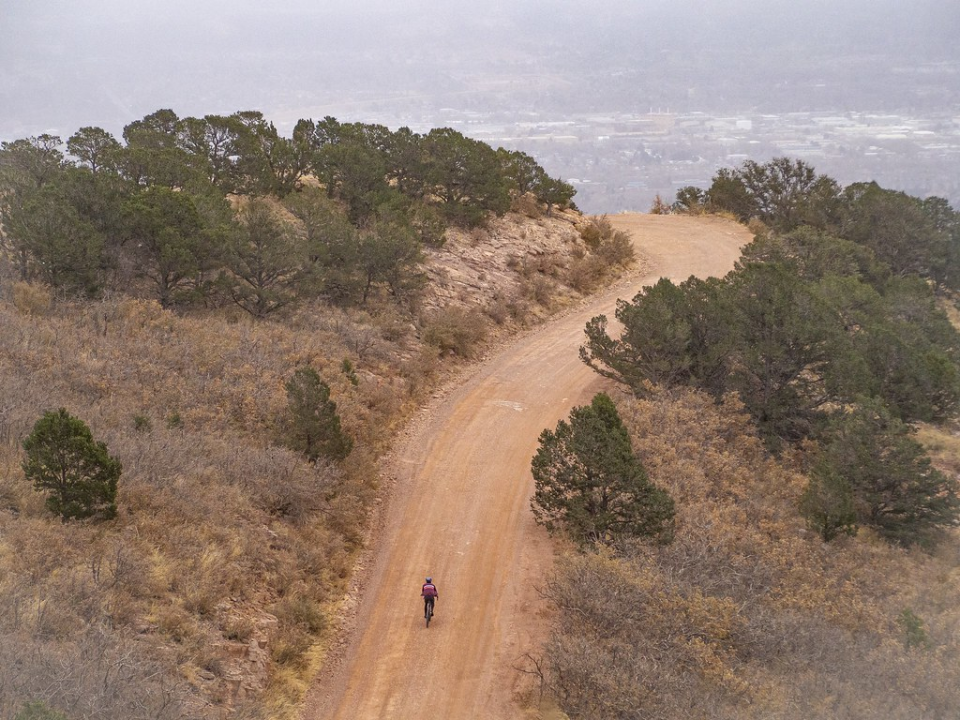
(312, 426)
(77, 473)
(591, 486)
(170, 203)
(830, 329)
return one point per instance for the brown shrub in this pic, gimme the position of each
(212, 519)
(32, 298)
(101, 674)
(617, 249)
(585, 273)
(746, 614)
(659, 207)
(527, 205)
(540, 289)
(593, 231)
(455, 330)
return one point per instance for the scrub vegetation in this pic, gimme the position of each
(210, 334)
(800, 412)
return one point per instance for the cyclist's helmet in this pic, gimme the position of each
(429, 580)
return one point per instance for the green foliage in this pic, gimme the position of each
(790, 336)
(38, 710)
(906, 233)
(814, 255)
(406, 163)
(895, 489)
(31, 162)
(155, 206)
(53, 241)
(77, 473)
(332, 246)
(141, 423)
(912, 350)
(690, 199)
(313, 426)
(828, 503)
(806, 324)
(265, 257)
(673, 335)
(267, 163)
(785, 194)
(153, 156)
(348, 265)
(355, 174)
(914, 632)
(346, 367)
(466, 175)
(591, 486)
(174, 247)
(790, 351)
(524, 176)
(94, 148)
(389, 256)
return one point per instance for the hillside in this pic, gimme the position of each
(800, 413)
(245, 322)
(218, 578)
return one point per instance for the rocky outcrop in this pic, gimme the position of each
(483, 266)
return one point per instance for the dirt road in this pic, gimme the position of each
(460, 512)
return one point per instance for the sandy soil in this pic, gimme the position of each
(459, 511)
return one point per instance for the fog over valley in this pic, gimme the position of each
(628, 98)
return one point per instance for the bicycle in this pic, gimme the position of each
(428, 611)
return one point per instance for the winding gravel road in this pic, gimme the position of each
(459, 511)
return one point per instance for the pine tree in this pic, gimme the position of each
(79, 474)
(828, 505)
(589, 483)
(313, 426)
(895, 489)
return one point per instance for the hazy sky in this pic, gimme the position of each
(67, 63)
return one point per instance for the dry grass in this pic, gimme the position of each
(218, 529)
(747, 614)
(214, 585)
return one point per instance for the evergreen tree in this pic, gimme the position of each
(333, 248)
(590, 485)
(169, 231)
(52, 242)
(77, 472)
(95, 149)
(313, 426)
(828, 503)
(265, 257)
(895, 489)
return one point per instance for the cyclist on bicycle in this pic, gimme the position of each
(429, 594)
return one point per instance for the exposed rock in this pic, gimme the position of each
(481, 266)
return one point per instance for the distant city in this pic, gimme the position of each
(623, 161)
(604, 95)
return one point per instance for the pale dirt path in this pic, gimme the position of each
(460, 512)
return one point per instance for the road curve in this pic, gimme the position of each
(460, 512)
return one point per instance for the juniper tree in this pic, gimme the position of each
(591, 486)
(76, 471)
(313, 426)
(894, 487)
